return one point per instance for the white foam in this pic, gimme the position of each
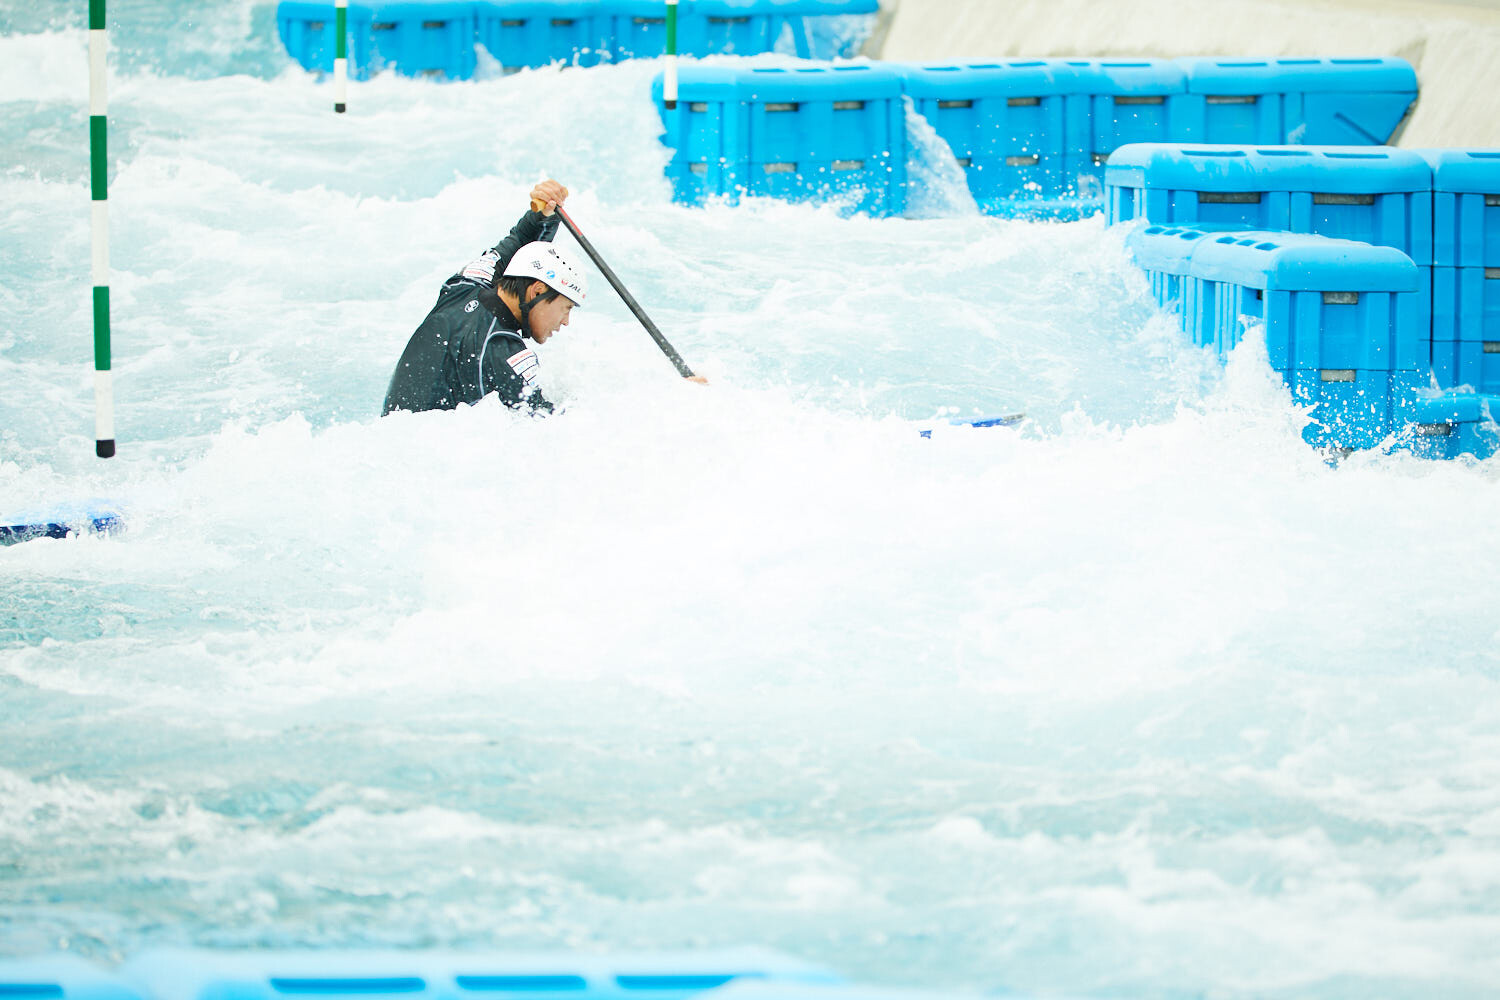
(46, 67)
(1143, 696)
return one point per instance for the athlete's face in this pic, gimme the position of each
(548, 317)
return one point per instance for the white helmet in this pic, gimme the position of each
(544, 262)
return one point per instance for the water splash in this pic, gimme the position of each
(1144, 698)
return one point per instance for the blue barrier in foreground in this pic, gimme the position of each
(173, 974)
(195, 974)
(61, 977)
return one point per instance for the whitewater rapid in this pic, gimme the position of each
(1144, 697)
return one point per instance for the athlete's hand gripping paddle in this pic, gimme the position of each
(635, 307)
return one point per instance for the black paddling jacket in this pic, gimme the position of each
(470, 345)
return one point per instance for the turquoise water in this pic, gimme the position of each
(1145, 699)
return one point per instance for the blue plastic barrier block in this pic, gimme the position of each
(1465, 206)
(1466, 303)
(827, 130)
(1380, 97)
(708, 133)
(1469, 363)
(174, 974)
(635, 29)
(729, 27)
(1301, 101)
(1064, 206)
(1003, 121)
(1171, 184)
(1466, 327)
(639, 977)
(1327, 305)
(774, 990)
(1355, 409)
(182, 974)
(585, 32)
(527, 34)
(61, 977)
(1378, 195)
(834, 29)
(1112, 103)
(425, 37)
(307, 32)
(1456, 423)
(820, 8)
(1371, 195)
(1165, 254)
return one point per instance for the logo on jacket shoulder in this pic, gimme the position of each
(482, 268)
(473, 304)
(524, 364)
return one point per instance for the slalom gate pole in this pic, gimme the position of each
(340, 55)
(635, 307)
(104, 392)
(669, 80)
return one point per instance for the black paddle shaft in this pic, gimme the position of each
(635, 307)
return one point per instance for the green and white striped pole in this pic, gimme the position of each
(104, 392)
(340, 55)
(669, 82)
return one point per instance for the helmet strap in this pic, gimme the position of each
(526, 305)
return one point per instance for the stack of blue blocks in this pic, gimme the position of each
(1111, 103)
(437, 37)
(1336, 316)
(1466, 267)
(833, 131)
(1001, 120)
(425, 38)
(416, 38)
(530, 33)
(1082, 110)
(1395, 242)
(1032, 135)
(1371, 195)
(307, 31)
(1334, 102)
